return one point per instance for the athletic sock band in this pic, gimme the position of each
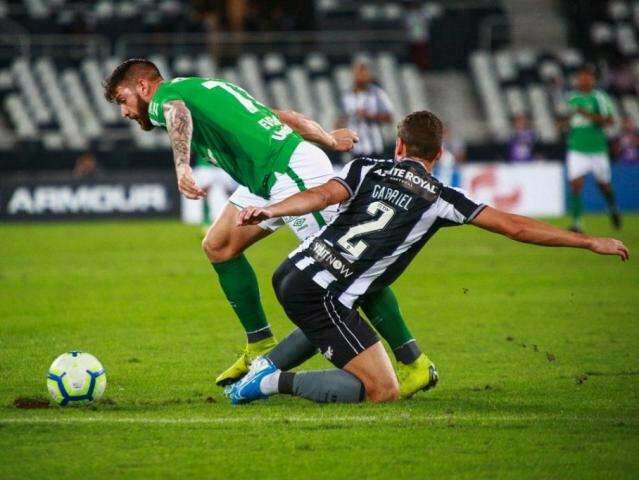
(407, 353)
(285, 383)
(258, 335)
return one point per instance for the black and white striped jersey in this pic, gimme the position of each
(374, 101)
(395, 207)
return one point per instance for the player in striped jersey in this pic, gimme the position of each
(389, 210)
(367, 108)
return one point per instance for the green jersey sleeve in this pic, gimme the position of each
(166, 92)
(605, 105)
(231, 129)
(572, 102)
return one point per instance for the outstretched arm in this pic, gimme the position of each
(341, 139)
(311, 200)
(527, 230)
(179, 126)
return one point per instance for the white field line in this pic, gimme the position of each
(310, 419)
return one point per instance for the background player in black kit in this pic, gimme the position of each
(389, 210)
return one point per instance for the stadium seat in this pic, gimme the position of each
(301, 85)
(413, 88)
(251, 75)
(387, 67)
(482, 69)
(25, 128)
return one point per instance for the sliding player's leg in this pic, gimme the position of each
(368, 376)
(342, 336)
(292, 351)
(224, 245)
(414, 369)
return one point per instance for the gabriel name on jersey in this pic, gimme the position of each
(394, 209)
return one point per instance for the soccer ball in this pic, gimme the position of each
(76, 378)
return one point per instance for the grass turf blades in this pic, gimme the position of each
(537, 351)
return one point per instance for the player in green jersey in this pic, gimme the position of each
(591, 111)
(266, 153)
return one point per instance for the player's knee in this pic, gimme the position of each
(383, 390)
(576, 186)
(218, 250)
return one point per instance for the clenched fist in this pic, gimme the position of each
(345, 139)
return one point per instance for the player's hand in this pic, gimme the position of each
(187, 185)
(345, 139)
(586, 113)
(610, 246)
(252, 216)
(362, 114)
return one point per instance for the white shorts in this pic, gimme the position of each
(309, 167)
(581, 164)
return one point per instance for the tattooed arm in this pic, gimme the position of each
(179, 126)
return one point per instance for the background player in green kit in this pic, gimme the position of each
(591, 112)
(266, 153)
(218, 185)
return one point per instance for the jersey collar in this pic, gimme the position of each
(412, 160)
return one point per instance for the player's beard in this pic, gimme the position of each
(143, 116)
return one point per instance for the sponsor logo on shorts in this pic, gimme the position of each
(330, 259)
(297, 223)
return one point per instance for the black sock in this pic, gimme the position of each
(285, 383)
(407, 353)
(260, 334)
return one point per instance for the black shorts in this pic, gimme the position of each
(340, 333)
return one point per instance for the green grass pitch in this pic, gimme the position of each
(538, 351)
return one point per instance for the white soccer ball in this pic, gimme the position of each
(76, 378)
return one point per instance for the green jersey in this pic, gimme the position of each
(231, 129)
(586, 136)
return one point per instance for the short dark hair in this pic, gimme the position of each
(128, 70)
(588, 68)
(422, 133)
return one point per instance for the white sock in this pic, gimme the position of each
(268, 385)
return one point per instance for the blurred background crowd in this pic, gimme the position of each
(496, 71)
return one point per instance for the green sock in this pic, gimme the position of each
(239, 283)
(382, 310)
(575, 208)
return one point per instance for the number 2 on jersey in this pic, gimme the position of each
(356, 249)
(237, 93)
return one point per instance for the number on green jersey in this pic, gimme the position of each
(241, 96)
